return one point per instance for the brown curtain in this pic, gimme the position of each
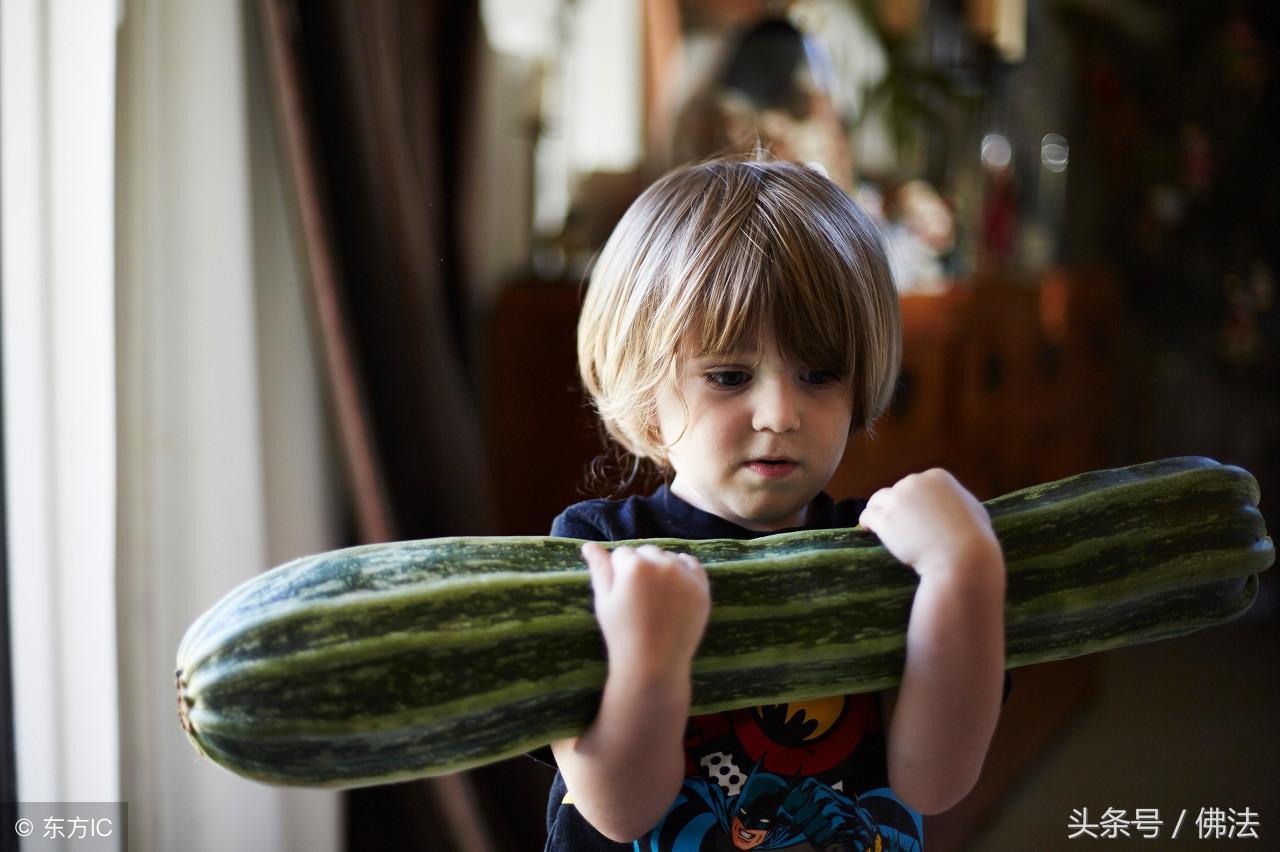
(372, 100)
(384, 87)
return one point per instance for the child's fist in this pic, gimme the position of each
(652, 606)
(929, 521)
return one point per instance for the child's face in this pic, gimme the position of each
(745, 408)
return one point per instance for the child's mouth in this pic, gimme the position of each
(771, 468)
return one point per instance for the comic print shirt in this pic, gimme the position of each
(802, 776)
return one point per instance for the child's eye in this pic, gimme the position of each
(726, 378)
(820, 377)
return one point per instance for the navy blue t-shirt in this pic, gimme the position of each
(803, 776)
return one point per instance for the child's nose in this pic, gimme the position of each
(777, 408)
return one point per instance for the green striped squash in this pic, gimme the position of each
(385, 662)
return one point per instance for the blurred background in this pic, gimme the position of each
(285, 276)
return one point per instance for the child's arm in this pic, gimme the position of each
(625, 771)
(940, 720)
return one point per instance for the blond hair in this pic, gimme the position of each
(712, 256)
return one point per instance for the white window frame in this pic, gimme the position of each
(57, 122)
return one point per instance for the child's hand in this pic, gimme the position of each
(652, 606)
(929, 521)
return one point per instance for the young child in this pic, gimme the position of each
(738, 327)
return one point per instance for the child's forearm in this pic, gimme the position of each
(625, 771)
(949, 700)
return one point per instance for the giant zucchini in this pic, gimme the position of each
(384, 662)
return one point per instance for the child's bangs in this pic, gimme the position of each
(730, 315)
(756, 287)
(732, 307)
(814, 315)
